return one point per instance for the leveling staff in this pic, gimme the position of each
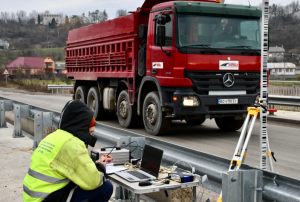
(61, 169)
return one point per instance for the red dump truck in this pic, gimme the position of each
(169, 60)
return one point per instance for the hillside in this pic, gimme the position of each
(57, 54)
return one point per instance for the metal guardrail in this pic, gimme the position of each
(284, 100)
(63, 87)
(280, 81)
(276, 187)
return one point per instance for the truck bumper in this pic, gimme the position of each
(209, 106)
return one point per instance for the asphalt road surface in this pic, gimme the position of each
(284, 138)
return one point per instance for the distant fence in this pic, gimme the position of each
(292, 90)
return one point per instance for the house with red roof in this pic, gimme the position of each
(31, 66)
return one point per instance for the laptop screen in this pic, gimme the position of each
(151, 160)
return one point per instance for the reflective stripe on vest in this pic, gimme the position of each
(35, 194)
(40, 176)
(41, 180)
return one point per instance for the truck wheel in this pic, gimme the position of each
(229, 123)
(93, 102)
(81, 93)
(153, 117)
(127, 114)
(195, 121)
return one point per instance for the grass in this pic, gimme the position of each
(283, 84)
(33, 85)
(45, 82)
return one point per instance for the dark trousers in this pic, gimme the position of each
(100, 194)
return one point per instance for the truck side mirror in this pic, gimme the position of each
(162, 19)
(161, 35)
(143, 29)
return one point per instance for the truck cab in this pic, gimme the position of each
(206, 58)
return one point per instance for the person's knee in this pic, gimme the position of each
(109, 187)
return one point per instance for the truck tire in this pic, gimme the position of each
(81, 94)
(126, 113)
(195, 121)
(94, 103)
(229, 123)
(154, 119)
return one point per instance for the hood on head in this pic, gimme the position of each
(75, 118)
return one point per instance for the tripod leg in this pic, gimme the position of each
(269, 154)
(240, 144)
(247, 140)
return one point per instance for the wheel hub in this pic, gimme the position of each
(151, 113)
(92, 103)
(123, 109)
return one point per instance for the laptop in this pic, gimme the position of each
(150, 166)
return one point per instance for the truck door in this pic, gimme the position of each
(163, 45)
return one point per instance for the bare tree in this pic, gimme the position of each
(13, 17)
(21, 15)
(121, 12)
(33, 15)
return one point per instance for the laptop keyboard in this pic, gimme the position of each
(138, 174)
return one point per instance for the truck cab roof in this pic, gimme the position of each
(157, 4)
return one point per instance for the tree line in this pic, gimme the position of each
(284, 23)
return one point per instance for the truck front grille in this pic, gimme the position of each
(205, 81)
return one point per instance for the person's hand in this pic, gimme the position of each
(102, 160)
(109, 159)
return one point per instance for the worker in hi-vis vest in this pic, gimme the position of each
(61, 169)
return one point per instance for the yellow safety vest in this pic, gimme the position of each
(41, 180)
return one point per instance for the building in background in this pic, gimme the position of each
(49, 65)
(26, 66)
(3, 44)
(276, 54)
(298, 70)
(282, 69)
(47, 18)
(60, 68)
(31, 67)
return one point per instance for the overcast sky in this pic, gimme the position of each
(77, 7)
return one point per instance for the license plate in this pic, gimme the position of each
(228, 101)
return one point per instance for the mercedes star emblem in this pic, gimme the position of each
(228, 80)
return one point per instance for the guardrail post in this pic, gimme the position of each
(56, 90)
(68, 91)
(41, 121)
(271, 107)
(63, 91)
(5, 105)
(38, 129)
(242, 186)
(20, 111)
(294, 93)
(52, 90)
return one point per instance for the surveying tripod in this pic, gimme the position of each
(240, 152)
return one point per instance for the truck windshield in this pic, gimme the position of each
(219, 32)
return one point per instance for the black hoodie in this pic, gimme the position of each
(75, 118)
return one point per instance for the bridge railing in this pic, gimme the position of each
(62, 87)
(275, 187)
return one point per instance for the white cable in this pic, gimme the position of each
(192, 168)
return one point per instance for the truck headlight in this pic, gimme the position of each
(190, 101)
